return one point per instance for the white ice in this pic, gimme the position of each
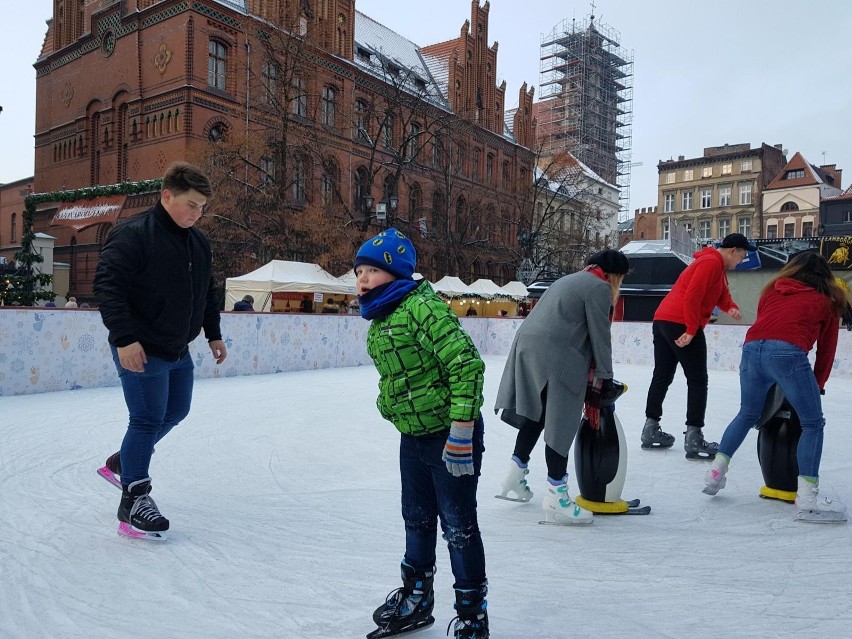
(283, 496)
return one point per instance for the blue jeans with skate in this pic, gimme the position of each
(430, 492)
(157, 400)
(765, 362)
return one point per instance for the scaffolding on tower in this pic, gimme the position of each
(586, 100)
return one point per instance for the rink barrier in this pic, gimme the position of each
(47, 350)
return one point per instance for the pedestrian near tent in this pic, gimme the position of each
(430, 387)
(801, 306)
(71, 303)
(678, 330)
(155, 292)
(245, 304)
(544, 383)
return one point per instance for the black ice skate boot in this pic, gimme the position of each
(695, 445)
(111, 470)
(472, 620)
(139, 516)
(654, 437)
(407, 608)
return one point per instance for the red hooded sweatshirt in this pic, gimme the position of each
(700, 288)
(795, 313)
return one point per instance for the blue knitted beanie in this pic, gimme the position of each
(390, 251)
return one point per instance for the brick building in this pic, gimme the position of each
(123, 88)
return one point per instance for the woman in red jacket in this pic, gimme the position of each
(799, 307)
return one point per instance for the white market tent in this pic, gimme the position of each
(487, 288)
(450, 286)
(281, 276)
(516, 289)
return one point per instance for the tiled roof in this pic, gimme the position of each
(797, 163)
(846, 195)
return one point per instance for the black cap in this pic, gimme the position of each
(610, 261)
(737, 240)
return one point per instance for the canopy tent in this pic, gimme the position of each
(516, 289)
(450, 286)
(487, 288)
(281, 276)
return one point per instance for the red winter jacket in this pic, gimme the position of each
(795, 313)
(700, 288)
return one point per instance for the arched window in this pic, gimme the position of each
(362, 133)
(300, 179)
(299, 99)
(789, 206)
(461, 209)
(437, 209)
(328, 185)
(14, 237)
(362, 188)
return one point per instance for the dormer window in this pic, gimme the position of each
(364, 55)
(794, 174)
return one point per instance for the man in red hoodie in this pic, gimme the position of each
(679, 339)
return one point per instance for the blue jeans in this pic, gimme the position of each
(765, 362)
(157, 400)
(430, 491)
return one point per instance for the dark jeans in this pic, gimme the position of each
(430, 491)
(157, 400)
(692, 358)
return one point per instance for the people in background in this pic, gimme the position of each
(71, 303)
(307, 304)
(471, 312)
(678, 330)
(245, 304)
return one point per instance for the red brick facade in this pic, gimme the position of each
(125, 88)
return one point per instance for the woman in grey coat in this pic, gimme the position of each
(543, 387)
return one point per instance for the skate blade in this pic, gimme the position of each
(821, 518)
(567, 522)
(389, 632)
(126, 530)
(700, 456)
(517, 499)
(656, 446)
(111, 477)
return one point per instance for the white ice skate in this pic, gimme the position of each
(813, 508)
(515, 482)
(714, 479)
(561, 510)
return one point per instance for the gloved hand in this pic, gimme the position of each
(458, 451)
(822, 391)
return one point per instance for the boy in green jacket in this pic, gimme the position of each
(430, 388)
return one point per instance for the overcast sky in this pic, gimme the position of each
(706, 74)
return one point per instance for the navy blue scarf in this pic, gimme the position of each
(381, 301)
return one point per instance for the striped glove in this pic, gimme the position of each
(458, 451)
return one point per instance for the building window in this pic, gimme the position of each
(413, 141)
(14, 237)
(789, 206)
(727, 168)
(704, 229)
(300, 179)
(724, 227)
(724, 196)
(795, 174)
(847, 216)
(505, 174)
(707, 172)
(670, 177)
(688, 175)
(745, 166)
(807, 229)
(745, 194)
(686, 201)
(299, 101)
(217, 59)
(387, 130)
(415, 200)
(744, 226)
(328, 184)
(772, 231)
(361, 121)
(267, 168)
(705, 198)
(666, 230)
(329, 106)
(668, 203)
(474, 174)
(489, 169)
(790, 229)
(270, 83)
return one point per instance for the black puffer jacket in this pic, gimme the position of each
(154, 285)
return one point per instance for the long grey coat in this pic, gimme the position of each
(553, 350)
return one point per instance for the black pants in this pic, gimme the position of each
(528, 433)
(692, 358)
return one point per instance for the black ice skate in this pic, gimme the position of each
(472, 620)
(111, 470)
(408, 608)
(696, 447)
(654, 437)
(138, 515)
